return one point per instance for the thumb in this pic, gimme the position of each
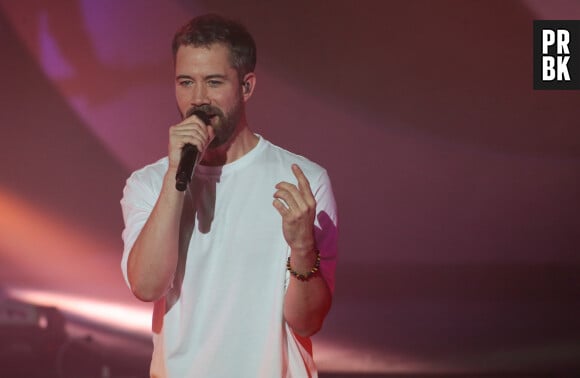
(211, 133)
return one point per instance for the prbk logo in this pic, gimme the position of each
(557, 54)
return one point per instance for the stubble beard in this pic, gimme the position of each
(224, 125)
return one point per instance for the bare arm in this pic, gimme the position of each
(153, 258)
(307, 302)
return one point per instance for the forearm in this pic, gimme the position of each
(307, 302)
(153, 258)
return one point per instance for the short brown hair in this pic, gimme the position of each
(211, 28)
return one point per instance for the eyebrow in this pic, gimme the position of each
(208, 77)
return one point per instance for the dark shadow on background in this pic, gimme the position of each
(47, 154)
(458, 70)
(456, 312)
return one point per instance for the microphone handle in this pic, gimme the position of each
(188, 157)
(186, 164)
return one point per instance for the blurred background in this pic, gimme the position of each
(457, 184)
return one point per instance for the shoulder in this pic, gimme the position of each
(150, 176)
(153, 171)
(279, 155)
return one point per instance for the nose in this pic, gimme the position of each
(199, 95)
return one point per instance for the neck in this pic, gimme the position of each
(240, 143)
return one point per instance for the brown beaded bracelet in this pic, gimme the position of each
(305, 277)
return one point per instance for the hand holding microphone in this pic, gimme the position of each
(189, 155)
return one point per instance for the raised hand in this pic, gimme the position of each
(297, 206)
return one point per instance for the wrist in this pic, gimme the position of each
(169, 182)
(303, 252)
(304, 248)
(305, 265)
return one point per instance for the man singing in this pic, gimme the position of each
(240, 265)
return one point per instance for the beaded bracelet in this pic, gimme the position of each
(305, 277)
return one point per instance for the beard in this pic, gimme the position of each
(223, 124)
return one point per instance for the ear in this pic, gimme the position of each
(248, 85)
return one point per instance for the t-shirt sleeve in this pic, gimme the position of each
(137, 203)
(326, 227)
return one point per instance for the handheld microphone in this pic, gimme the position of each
(189, 154)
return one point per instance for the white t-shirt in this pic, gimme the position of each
(223, 316)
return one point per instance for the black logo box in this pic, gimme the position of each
(573, 27)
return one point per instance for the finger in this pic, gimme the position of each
(279, 205)
(191, 133)
(304, 199)
(211, 133)
(191, 127)
(199, 144)
(303, 183)
(295, 194)
(195, 134)
(288, 199)
(179, 141)
(193, 119)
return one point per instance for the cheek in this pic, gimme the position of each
(229, 103)
(182, 100)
